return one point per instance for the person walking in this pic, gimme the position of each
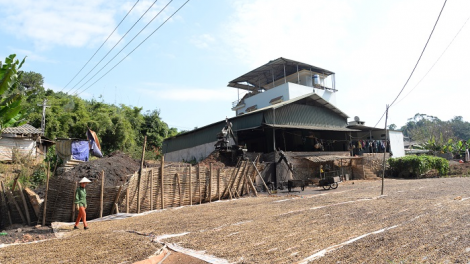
(80, 203)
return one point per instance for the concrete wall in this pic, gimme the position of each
(198, 152)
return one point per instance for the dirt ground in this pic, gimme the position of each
(22, 234)
(416, 221)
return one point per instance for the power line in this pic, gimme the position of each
(436, 60)
(100, 46)
(136, 47)
(112, 48)
(417, 62)
(124, 46)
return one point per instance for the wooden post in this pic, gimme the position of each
(116, 200)
(218, 184)
(190, 186)
(151, 190)
(25, 204)
(162, 190)
(13, 187)
(45, 197)
(179, 186)
(140, 175)
(6, 203)
(12, 198)
(210, 183)
(72, 218)
(102, 194)
(269, 192)
(127, 200)
(199, 182)
(231, 180)
(250, 182)
(116, 208)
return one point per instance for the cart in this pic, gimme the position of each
(295, 183)
(330, 182)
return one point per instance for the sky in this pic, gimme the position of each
(183, 68)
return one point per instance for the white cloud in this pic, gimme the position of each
(63, 23)
(202, 41)
(173, 92)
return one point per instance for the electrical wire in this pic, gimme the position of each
(417, 62)
(100, 46)
(112, 48)
(136, 47)
(436, 60)
(124, 46)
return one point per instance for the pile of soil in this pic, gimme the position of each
(456, 168)
(117, 166)
(218, 161)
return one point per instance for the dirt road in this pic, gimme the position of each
(417, 221)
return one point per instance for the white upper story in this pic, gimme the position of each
(281, 80)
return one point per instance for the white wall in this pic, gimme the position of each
(262, 99)
(396, 143)
(296, 90)
(25, 146)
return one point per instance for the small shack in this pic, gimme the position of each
(22, 141)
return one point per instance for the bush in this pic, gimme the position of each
(418, 165)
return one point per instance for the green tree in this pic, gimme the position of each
(11, 94)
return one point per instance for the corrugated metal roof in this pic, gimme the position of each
(263, 75)
(310, 97)
(24, 129)
(344, 129)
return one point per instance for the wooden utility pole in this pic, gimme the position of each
(385, 151)
(139, 178)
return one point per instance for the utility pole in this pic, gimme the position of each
(43, 121)
(385, 150)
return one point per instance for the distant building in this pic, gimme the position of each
(21, 141)
(289, 106)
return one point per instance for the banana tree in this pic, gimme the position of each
(11, 113)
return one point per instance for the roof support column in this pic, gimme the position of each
(285, 80)
(272, 73)
(298, 74)
(274, 129)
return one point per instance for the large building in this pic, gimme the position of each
(289, 105)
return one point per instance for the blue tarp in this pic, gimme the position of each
(80, 150)
(95, 150)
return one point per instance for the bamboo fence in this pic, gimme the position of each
(183, 185)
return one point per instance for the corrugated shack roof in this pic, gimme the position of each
(259, 77)
(24, 129)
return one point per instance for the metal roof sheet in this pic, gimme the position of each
(314, 128)
(263, 75)
(310, 96)
(24, 129)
